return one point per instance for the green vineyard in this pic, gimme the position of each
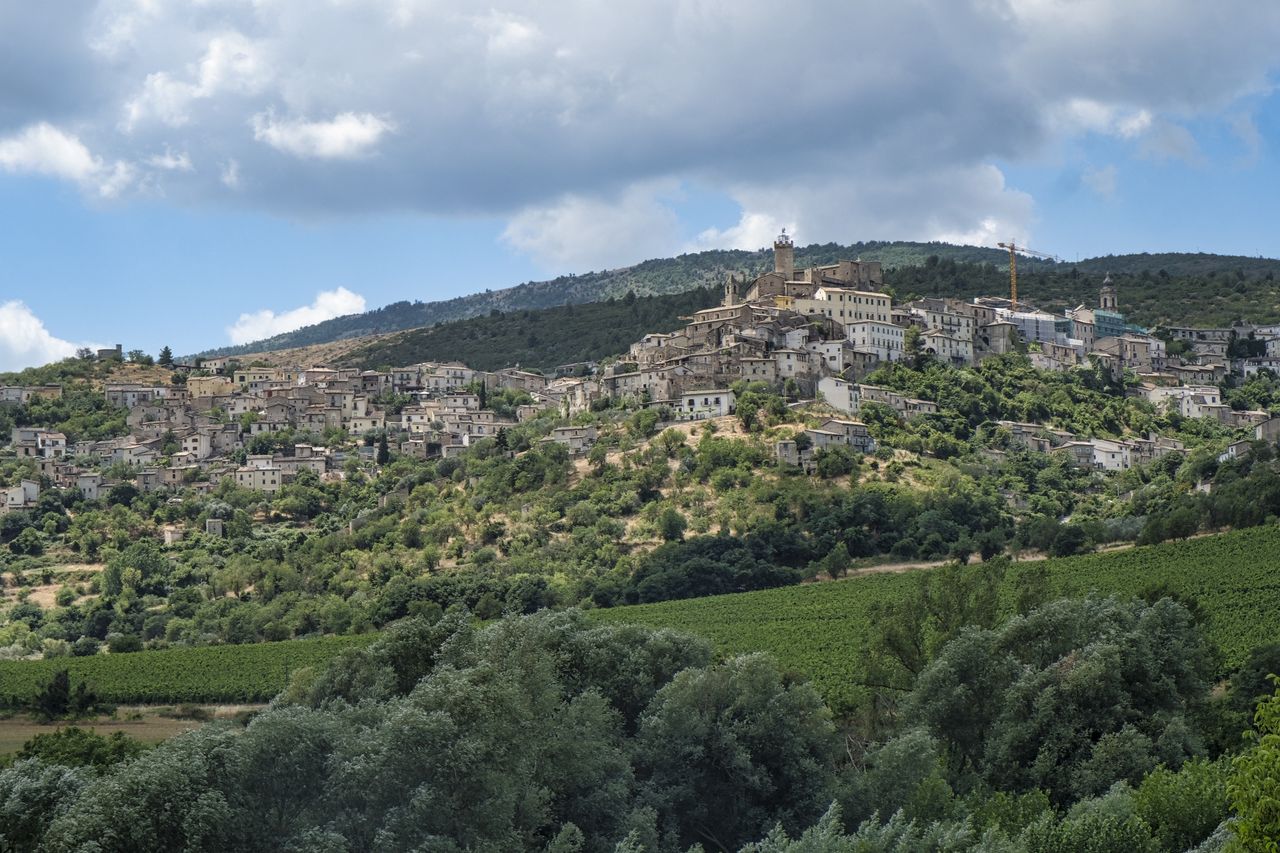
(249, 673)
(820, 630)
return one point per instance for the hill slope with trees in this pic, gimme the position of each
(537, 338)
(650, 278)
(1173, 288)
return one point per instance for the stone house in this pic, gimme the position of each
(579, 439)
(25, 495)
(266, 478)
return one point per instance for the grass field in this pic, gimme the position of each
(820, 629)
(249, 673)
(147, 724)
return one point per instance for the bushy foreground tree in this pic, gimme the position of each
(1070, 728)
(531, 733)
(1070, 698)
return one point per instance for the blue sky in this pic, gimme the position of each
(202, 174)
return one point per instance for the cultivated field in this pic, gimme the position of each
(821, 630)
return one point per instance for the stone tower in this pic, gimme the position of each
(730, 290)
(1110, 300)
(784, 258)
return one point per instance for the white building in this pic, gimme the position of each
(840, 395)
(698, 405)
(22, 496)
(948, 347)
(89, 486)
(1032, 325)
(883, 339)
(1190, 401)
(1112, 455)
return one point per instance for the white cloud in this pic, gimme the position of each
(1100, 181)
(535, 112)
(24, 340)
(265, 323)
(507, 34)
(965, 205)
(754, 230)
(581, 232)
(171, 161)
(231, 63)
(43, 149)
(347, 135)
(230, 174)
(1077, 115)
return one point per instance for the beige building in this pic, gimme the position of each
(260, 478)
(208, 386)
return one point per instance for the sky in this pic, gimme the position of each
(208, 172)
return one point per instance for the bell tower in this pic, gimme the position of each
(1110, 300)
(730, 290)
(784, 258)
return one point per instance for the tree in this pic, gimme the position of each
(1071, 539)
(33, 794)
(671, 524)
(837, 562)
(166, 357)
(54, 699)
(76, 747)
(911, 346)
(728, 751)
(164, 800)
(908, 631)
(141, 566)
(30, 542)
(1184, 807)
(384, 452)
(1070, 698)
(1254, 786)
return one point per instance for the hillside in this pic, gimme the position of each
(548, 337)
(537, 338)
(1153, 287)
(1174, 290)
(650, 278)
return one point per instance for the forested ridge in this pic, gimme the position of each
(543, 338)
(1172, 288)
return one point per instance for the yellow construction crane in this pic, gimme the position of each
(1013, 265)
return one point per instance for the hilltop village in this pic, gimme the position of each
(812, 334)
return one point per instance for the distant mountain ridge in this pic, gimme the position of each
(665, 276)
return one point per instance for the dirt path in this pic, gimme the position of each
(1021, 557)
(144, 722)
